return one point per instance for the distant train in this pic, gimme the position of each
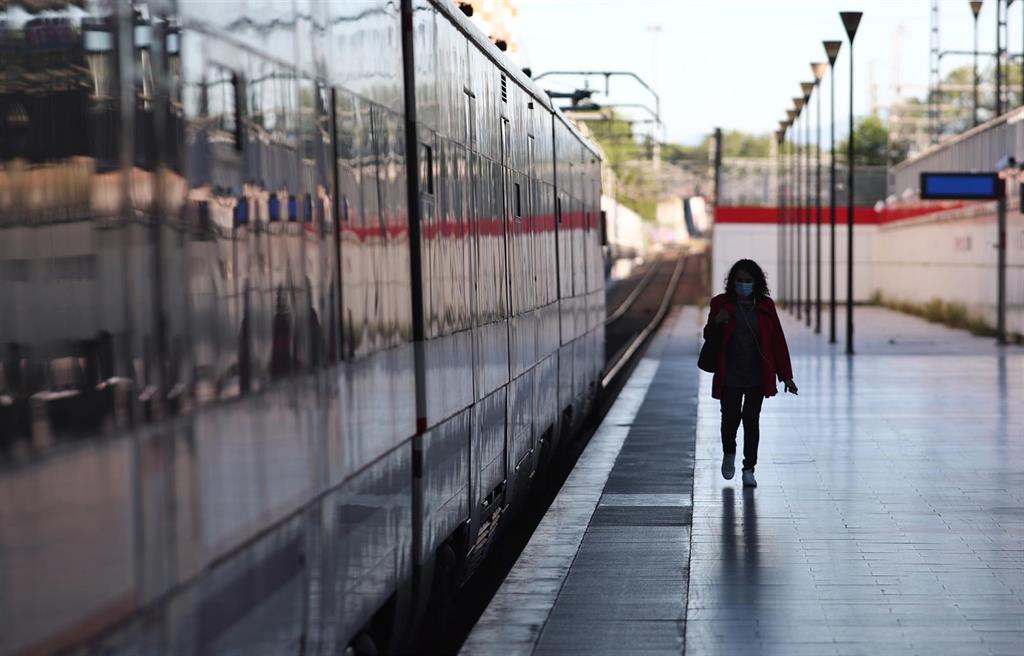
(682, 219)
(296, 300)
(625, 230)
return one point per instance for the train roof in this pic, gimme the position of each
(507, 66)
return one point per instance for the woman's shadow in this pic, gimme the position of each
(740, 570)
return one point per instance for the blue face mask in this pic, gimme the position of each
(744, 289)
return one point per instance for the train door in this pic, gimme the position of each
(341, 218)
(506, 228)
(473, 232)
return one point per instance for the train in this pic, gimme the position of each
(626, 232)
(682, 219)
(299, 299)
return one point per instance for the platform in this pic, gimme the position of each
(889, 517)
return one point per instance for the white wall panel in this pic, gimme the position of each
(949, 256)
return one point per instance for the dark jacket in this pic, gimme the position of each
(776, 364)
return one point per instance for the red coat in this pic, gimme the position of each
(776, 364)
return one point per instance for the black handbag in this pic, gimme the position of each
(708, 358)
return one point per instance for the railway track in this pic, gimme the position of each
(631, 345)
(634, 293)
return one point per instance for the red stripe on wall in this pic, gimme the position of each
(861, 215)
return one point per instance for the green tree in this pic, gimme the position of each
(956, 95)
(743, 144)
(871, 146)
(735, 143)
(630, 160)
(682, 153)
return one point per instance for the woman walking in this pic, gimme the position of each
(751, 356)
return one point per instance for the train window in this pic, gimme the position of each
(241, 212)
(519, 201)
(506, 146)
(98, 43)
(274, 207)
(238, 101)
(471, 119)
(224, 100)
(307, 208)
(529, 156)
(293, 208)
(427, 168)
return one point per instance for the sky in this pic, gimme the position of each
(737, 64)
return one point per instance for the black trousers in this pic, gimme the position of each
(742, 404)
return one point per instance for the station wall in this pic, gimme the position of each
(947, 255)
(951, 256)
(758, 240)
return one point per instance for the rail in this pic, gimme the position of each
(641, 338)
(633, 295)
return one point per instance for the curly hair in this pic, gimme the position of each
(750, 266)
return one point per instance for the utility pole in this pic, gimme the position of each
(832, 50)
(1001, 266)
(934, 79)
(807, 88)
(718, 166)
(975, 9)
(851, 21)
(1000, 24)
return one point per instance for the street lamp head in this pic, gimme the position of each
(791, 114)
(832, 50)
(819, 69)
(976, 7)
(851, 21)
(807, 88)
(798, 104)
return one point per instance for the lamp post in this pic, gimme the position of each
(999, 57)
(1021, 74)
(1006, 171)
(975, 9)
(778, 206)
(1006, 26)
(818, 68)
(851, 21)
(778, 203)
(832, 51)
(808, 89)
(781, 202)
(798, 102)
(791, 114)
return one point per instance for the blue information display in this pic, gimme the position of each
(961, 186)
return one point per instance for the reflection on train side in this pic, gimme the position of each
(208, 381)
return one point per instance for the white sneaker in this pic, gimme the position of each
(748, 478)
(728, 466)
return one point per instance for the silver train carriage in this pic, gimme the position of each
(296, 295)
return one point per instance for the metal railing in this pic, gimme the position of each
(977, 149)
(750, 184)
